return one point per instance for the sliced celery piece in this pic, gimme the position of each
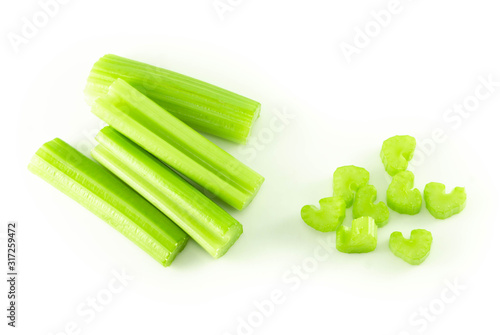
(327, 217)
(413, 250)
(401, 196)
(208, 224)
(109, 198)
(442, 205)
(361, 237)
(364, 205)
(203, 106)
(178, 145)
(347, 180)
(396, 152)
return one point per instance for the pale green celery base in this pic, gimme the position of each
(105, 209)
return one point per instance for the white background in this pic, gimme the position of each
(287, 55)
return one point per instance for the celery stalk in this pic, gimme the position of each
(203, 106)
(176, 144)
(208, 224)
(109, 198)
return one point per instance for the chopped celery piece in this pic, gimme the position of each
(203, 106)
(328, 217)
(360, 238)
(396, 152)
(178, 145)
(364, 206)
(401, 196)
(413, 250)
(347, 180)
(442, 205)
(208, 224)
(109, 198)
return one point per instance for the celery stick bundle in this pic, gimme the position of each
(136, 192)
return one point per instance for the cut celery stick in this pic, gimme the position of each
(203, 106)
(208, 224)
(178, 145)
(109, 198)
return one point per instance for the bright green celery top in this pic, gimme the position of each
(203, 106)
(178, 145)
(208, 224)
(109, 198)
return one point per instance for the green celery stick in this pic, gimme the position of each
(178, 145)
(328, 217)
(361, 237)
(109, 198)
(413, 250)
(208, 224)
(442, 205)
(203, 106)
